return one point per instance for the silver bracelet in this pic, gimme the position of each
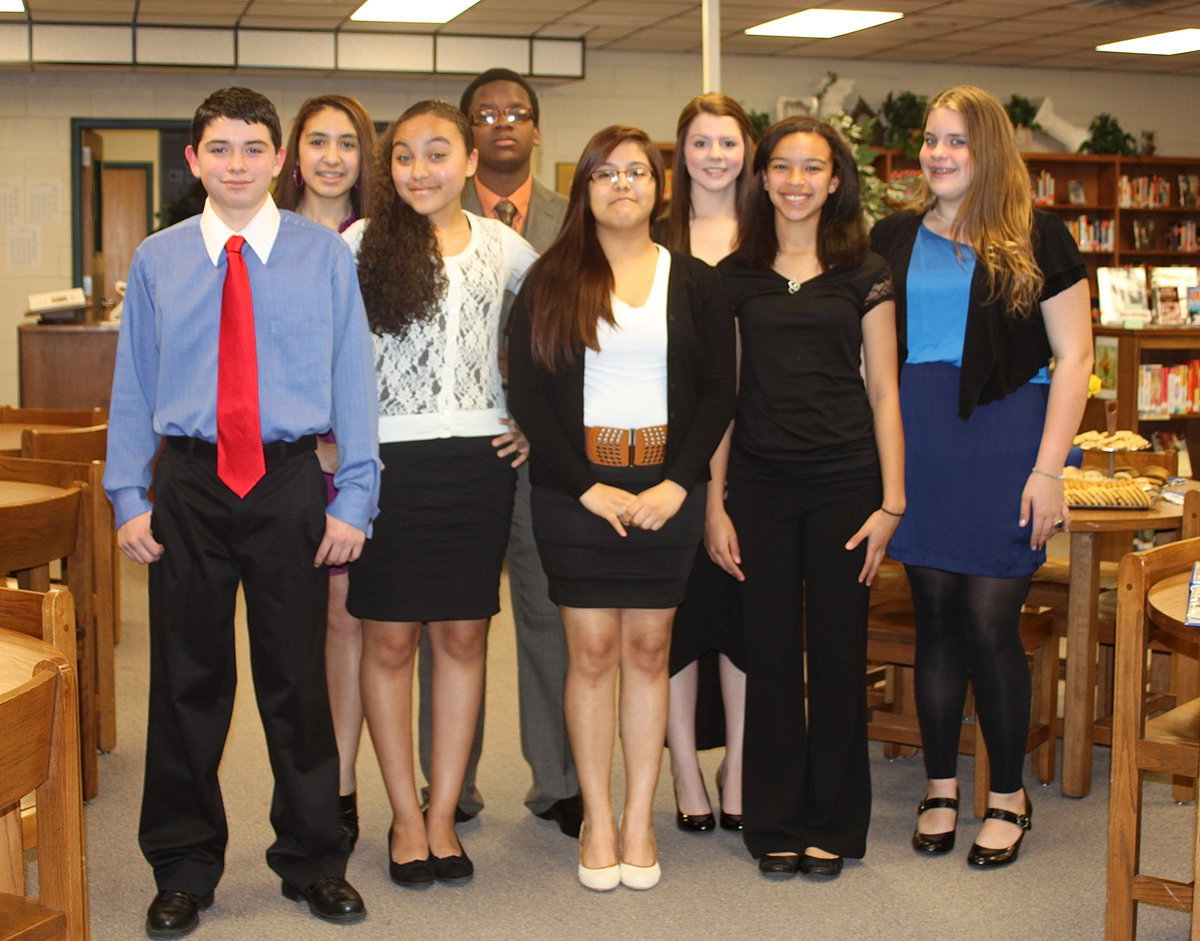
(1038, 470)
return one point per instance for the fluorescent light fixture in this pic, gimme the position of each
(12, 6)
(822, 24)
(1158, 44)
(411, 11)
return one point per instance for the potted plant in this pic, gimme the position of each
(904, 114)
(1108, 137)
(1021, 112)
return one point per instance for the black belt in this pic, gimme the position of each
(274, 452)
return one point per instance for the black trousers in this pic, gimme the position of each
(806, 776)
(212, 542)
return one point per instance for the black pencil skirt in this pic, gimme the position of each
(589, 566)
(445, 507)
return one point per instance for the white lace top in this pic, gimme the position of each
(441, 378)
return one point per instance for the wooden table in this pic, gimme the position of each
(10, 436)
(1079, 705)
(19, 654)
(1168, 601)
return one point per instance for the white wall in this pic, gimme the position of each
(646, 90)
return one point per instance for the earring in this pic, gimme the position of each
(297, 179)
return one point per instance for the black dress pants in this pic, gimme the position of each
(212, 542)
(806, 776)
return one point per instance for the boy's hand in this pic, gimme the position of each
(342, 543)
(135, 539)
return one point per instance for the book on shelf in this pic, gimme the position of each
(1076, 195)
(1189, 190)
(1092, 235)
(1043, 188)
(1193, 304)
(1143, 192)
(1143, 234)
(1169, 389)
(1107, 351)
(1123, 295)
(1168, 292)
(1181, 236)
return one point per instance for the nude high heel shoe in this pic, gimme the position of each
(602, 879)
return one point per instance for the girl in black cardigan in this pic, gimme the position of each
(618, 476)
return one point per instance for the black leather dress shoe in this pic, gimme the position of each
(728, 821)
(779, 865)
(567, 813)
(452, 868)
(986, 856)
(331, 898)
(175, 914)
(347, 825)
(694, 823)
(819, 866)
(935, 842)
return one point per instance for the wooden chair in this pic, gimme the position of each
(1169, 743)
(10, 414)
(39, 751)
(892, 717)
(35, 534)
(50, 617)
(85, 448)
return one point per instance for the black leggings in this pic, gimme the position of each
(968, 627)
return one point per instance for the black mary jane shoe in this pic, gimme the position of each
(330, 898)
(728, 821)
(415, 872)
(347, 824)
(936, 842)
(175, 914)
(820, 866)
(452, 868)
(984, 856)
(779, 865)
(694, 823)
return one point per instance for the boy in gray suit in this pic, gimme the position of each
(503, 110)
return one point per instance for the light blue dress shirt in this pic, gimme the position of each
(313, 346)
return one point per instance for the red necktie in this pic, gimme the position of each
(239, 438)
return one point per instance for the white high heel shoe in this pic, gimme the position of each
(640, 877)
(602, 879)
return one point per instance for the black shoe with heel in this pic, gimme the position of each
(347, 825)
(694, 823)
(984, 856)
(728, 821)
(936, 842)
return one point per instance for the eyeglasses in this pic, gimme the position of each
(507, 116)
(631, 176)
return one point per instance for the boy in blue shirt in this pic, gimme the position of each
(272, 533)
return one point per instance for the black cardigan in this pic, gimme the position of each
(1000, 352)
(700, 385)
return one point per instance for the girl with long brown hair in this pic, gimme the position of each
(621, 374)
(714, 153)
(326, 177)
(988, 289)
(434, 280)
(814, 473)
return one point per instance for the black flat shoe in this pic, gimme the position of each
(936, 842)
(175, 914)
(779, 865)
(694, 823)
(330, 898)
(984, 856)
(567, 813)
(452, 868)
(819, 866)
(347, 825)
(728, 821)
(415, 872)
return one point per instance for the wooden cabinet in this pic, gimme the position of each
(68, 365)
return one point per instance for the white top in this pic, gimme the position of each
(625, 384)
(441, 377)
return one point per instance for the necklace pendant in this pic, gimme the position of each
(793, 286)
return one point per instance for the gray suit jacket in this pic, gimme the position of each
(547, 210)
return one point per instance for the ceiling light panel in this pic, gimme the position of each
(411, 11)
(822, 24)
(1159, 44)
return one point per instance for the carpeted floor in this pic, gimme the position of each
(525, 886)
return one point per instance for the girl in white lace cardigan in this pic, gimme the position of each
(433, 279)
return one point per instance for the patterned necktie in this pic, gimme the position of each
(506, 211)
(240, 462)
